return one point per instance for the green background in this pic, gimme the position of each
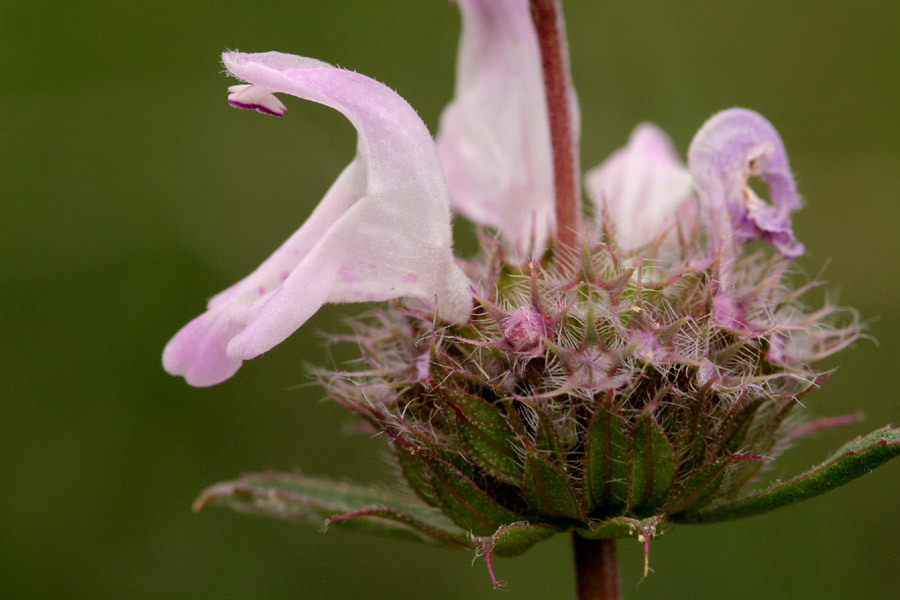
(130, 192)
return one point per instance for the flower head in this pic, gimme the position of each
(639, 377)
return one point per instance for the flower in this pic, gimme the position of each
(640, 377)
(390, 205)
(494, 140)
(641, 186)
(731, 147)
(382, 231)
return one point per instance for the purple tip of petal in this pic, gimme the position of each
(731, 147)
(257, 107)
(256, 98)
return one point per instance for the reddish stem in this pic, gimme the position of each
(547, 18)
(596, 569)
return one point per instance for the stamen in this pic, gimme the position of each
(255, 98)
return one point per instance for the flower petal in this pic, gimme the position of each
(382, 231)
(494, 138)
(731, 147)
(641, 186)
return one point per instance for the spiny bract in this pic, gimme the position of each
(609, 393)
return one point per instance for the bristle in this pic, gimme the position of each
(720, 367)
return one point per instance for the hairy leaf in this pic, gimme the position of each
(487, 437)
(652, 464)
(854, 459)
(465, 503)
(510, 540)
(698, 490)
(315, 500)
(549, 490)
(606, 461)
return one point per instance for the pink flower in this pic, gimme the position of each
(731, 147)
(494, 139)
(641, 187)
(382, 231)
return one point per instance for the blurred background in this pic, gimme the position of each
(130, 193)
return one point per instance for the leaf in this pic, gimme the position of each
(514, 539)
(465, 503)
(692, 432)
(415, 471)
(854, 459)
(487, 437)
(546, 438)
(652, 464)
(510, 540)
(699, 489)
(737, 424)
(548, 489)
(312, 499)
(606, 461)
(609, 529)
(373, 519)
(619, 527)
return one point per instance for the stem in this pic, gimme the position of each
(596, 569)
(548, 24)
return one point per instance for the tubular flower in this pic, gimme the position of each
(642, 377)
(382, 231)
(494, 141)
(642, 186)
(731, 147)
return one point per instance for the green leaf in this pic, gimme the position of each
(312, 499)
(692, 432)
(548, 489)
(606, 461)
(737, 424)
(546, 437)
(487, 437)
(619, 527)
(609, 529)
(855, 458)
(415, 471)
(465, 503)
(387, 520)
(652, 464)
(699, 489)
(510, 540)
